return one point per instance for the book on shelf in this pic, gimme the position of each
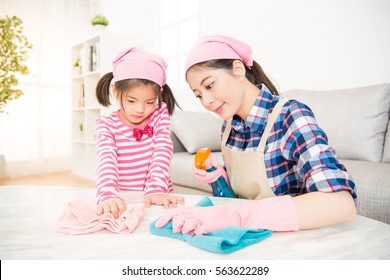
(82, 96)
(82, 59)
(97, 56)
(94, 57)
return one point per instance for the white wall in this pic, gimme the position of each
(313, 44)
(317, 44)
(131, 17)
(308, 44)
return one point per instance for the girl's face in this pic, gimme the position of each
(137, 104)
(219, 90)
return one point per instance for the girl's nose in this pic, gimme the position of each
(140, 108)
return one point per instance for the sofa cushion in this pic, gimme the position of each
(355, 120)
(386, 147)
(372, 181)
(197, 130)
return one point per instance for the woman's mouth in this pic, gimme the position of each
(218, 110)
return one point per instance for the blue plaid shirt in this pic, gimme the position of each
(297, 156)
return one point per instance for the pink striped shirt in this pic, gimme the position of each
(126, 164)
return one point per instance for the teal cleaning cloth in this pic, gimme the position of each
(222, 241)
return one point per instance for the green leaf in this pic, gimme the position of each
(14, 48)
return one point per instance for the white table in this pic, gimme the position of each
(28, 215)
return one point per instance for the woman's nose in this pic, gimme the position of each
(207, 98)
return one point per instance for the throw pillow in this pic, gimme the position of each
(197, 130)
(355, 119)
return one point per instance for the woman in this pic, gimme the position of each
(275, 152)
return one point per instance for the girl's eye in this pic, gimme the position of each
(198, 96)
(150, 103)
(130, 101)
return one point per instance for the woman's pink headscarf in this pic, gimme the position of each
(219, 47)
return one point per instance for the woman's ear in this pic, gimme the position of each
(238, 68)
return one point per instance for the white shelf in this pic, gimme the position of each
(84, 106)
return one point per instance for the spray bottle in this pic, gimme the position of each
(220, 187)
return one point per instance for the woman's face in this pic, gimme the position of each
(219, 90)
(137, 104)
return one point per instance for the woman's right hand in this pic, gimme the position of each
(115, 206)
(205, 177)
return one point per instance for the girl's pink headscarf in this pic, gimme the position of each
(136, 64)
(219, 47)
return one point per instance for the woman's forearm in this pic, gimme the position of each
(319, 209)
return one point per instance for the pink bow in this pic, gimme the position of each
(147, 130)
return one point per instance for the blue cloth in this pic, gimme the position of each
(223, 241)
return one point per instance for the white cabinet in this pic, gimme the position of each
(95, 56)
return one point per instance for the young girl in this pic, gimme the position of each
(133, 144)
(275, 152)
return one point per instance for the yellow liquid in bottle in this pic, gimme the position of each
(200, 158)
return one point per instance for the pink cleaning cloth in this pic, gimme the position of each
(80, 217)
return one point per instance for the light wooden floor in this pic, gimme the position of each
(55, 179)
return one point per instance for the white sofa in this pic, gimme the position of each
(355, 120)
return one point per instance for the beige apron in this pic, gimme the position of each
(246, 170)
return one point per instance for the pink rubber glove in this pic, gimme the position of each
(275, 213)
(205, 177)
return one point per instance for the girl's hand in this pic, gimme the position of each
(163, 199)
(116, 207)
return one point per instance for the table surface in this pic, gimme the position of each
(27, 231)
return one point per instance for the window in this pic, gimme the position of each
(36, 129)
(179, 31)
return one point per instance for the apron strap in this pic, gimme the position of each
(267, 130)
(226, 132)
(270, 123)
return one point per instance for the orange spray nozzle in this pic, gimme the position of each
(200, 158)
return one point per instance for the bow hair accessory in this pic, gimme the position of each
(147, 130)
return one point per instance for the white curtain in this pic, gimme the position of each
(35, 134)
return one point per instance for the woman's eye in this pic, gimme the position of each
(210, 86)
(130, 101)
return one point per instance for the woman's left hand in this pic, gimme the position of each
(163, 199)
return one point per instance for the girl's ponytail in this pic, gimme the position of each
(169, 99)
(103, 89)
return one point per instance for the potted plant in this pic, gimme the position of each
(77, 66)
(99, 21)
(14, 48)
(81, 128)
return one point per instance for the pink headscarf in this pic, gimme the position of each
(136, 64)
(219, 47)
